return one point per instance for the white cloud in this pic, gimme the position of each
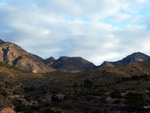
(95, 9)
(142, 1)
(118, 18)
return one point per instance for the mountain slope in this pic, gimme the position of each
(49, 61)
(133, 58)
(97, 87)
(72, 64)
(14, 55)
(1, 41)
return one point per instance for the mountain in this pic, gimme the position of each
(96, 88)
(137, 57)
(49, 61)
(107, 64)
(72, 64)
(1, 41)
(14, 55)
(38, 57)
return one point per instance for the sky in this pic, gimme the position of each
(97, 30)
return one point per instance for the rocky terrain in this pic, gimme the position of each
(72, 64)
(49, 61)
(105, 90)
(14, 55)
(137, 57)
(28, 84)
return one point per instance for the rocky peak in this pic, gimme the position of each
(73, 59)
(107, 64)
(136, 57)
(52, 58)
(13, 54)
(1, 41)
(49, 61)
(65, 63)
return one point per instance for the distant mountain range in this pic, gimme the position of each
(94, 87)
(14, 55)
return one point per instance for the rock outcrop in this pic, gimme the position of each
(7, 110)
(14, 55)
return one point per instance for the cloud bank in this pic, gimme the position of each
(97, 30)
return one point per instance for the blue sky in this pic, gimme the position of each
(97, 30)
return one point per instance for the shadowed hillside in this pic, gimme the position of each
(133, 58)
(49, 61)
(73, 64)
(105, 90)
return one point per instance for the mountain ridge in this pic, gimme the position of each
(1, 41)
(49, 61)
(136, 57)
(65, 63)
(13, 54)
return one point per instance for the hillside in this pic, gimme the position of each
(111, 89)
(72, 64)
(1, 41)
(61, 91)
(137, 57)
(84, 92)
(14, 55)
(49, 61)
